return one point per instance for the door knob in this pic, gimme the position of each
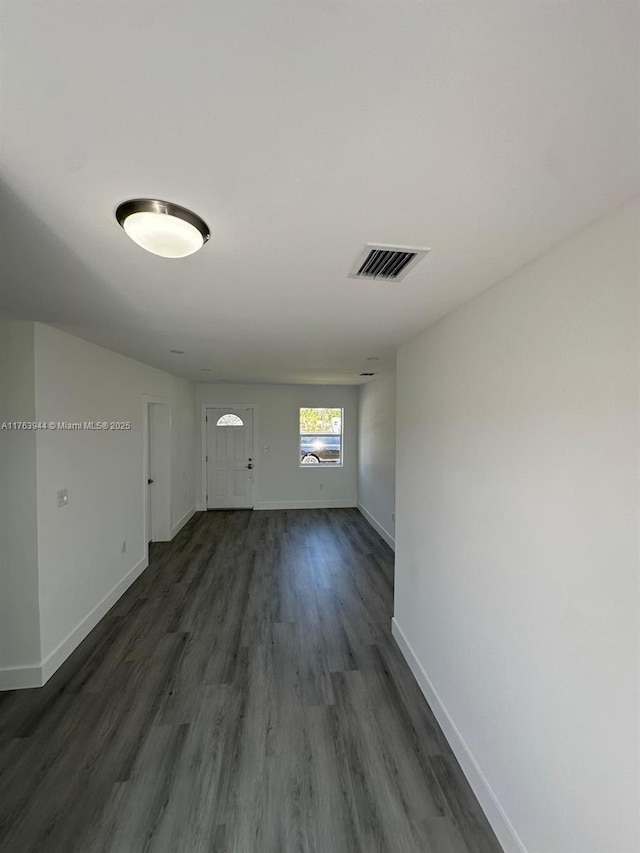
(149, 482)
(249, 466)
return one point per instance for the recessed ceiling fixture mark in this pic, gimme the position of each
(391, 263)
(367, 374)
(162, 227)
(177, 351)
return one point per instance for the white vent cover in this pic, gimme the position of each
(391, 263)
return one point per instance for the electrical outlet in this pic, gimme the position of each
(63, 497)
(393, 516)
(123, 547)
(321, 485)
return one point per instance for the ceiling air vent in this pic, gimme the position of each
(367, 374)
(390, 263)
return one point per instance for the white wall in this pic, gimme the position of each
(81, 567)
(517, 539)
(279, 480)
(377, 454)
(19, 615)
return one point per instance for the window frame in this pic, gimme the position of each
(323, 466)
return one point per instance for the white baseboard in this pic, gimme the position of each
(177, 527)
(20, 677)
(17, 678)
(388, 538)
(58, 656)
(497, 817)
(201, 507)
(341, 503)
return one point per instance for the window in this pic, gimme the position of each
(230, 420)
(321, 437)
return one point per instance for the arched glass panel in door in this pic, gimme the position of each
(230, 420)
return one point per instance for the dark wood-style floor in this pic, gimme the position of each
(244, 695)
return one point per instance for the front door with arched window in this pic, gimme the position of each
(229, 458)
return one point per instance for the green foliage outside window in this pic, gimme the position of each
(321, 421)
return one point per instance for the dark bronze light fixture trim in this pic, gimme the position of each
(162, 227)
(154, 205)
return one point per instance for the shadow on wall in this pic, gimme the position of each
(43, 279)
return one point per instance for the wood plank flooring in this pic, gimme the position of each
(244, 696)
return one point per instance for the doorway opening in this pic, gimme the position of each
(157, 456)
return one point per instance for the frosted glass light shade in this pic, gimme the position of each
(163, 228)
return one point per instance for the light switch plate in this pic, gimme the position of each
(63, 497)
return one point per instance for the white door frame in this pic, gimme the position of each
(162, 516)
(203, 446)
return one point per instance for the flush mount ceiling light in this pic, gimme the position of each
(163, 228)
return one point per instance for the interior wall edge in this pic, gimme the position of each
(177, 527)
(37, 675)
(54, 660)
(380, 530)
(495, 814)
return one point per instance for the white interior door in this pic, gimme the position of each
(149, 510)
(230, 458)
(158, 470)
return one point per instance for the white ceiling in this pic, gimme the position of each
(300, 130)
